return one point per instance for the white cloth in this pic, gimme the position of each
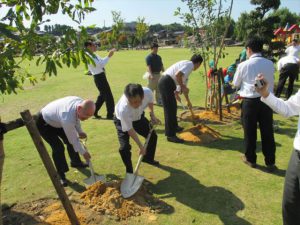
(127, 114)
(290, 107)
(184, 66)
(285, 60)
(62, 113)
(293, 50)
(244, 77)
(100, 64)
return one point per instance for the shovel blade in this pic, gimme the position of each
(131, 184)
(91, 180)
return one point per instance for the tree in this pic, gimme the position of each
(117, 27)
(141, 29)
(285, 16)
(23, 41)
(241, 30)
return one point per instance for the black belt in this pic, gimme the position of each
(256, 98)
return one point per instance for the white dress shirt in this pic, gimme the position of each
(127, 114)
(244, 77)
(100, 64)
(293, 50)
(285, 60)
(62, 113)
(184, 66)
(290, 107)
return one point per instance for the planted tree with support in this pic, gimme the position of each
(141, 30)
(210, 21)
(26, 43)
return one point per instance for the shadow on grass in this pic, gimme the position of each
(11, 217)
(190, 192)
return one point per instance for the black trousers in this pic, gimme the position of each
(142, 128)
(56, 138)
(290, 71)
(291, 192)
(167, 87)
(105, 94)
(255, 111)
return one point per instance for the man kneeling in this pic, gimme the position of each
(130, 120)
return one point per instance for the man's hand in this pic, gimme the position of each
(155, 120)
(176, 93)
(142, 150)
(87, 156)
(184, 89)
(82, 135)
(111, 52)
(151, 76)
(264, 90)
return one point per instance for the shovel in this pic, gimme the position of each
(132, 182)
(193, 115)
(93, 178)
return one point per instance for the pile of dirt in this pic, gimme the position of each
(200, 134)
(106, 198)
(207, 116)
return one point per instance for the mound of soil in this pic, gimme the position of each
(200, 134)
(90, 207)
(210, 117)
(107, 199)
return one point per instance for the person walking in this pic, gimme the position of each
(176, 75)
(99, 75)
(253, 110)
(59, 123)
(154, 67)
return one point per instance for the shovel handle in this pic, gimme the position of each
(193, 115)
(92, 170)
(141, 156)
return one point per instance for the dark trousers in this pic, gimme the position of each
(142, 128)
(56, 138)
(291, 192)
(167, 87)
(254, 111)
(105, 94)
(290, 71)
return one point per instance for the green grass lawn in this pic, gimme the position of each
(204, 184)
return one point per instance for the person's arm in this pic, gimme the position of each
(73, 138)
(103, 61)
(237, 78)
(183, 88)
(150, 72)
(288, 108)
(154, 119)
(136, 139)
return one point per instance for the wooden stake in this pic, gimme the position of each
(38, 142)
(219, 74)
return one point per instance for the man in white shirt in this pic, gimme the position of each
(291, 193)
(59, 124)
(98, 72)
(253, 110)
(176, 75)
(130, 120)
(288, 66)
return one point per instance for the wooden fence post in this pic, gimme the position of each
(38, 142)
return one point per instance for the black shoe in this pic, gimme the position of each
(79, 165)
(179, 129)
(244, 159)
(175, 139)
(97, 116)
(64, 182)
(271, 168)
(151, 162)
(110, 117)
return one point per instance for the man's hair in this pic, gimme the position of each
(154, 45)
(196, 58)
(295, 40)
(255, 44)
(88, 43)
(133, 90)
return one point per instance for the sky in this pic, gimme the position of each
(154, 11)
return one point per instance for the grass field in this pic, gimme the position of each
(204, 184)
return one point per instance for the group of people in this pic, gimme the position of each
(59, 121)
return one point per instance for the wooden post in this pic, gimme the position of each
(219, 74)
(38, 142)
(1, 172)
